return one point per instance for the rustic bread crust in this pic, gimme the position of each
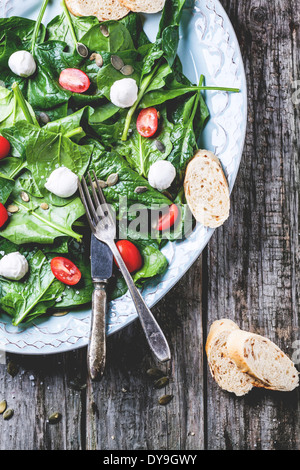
(103, 9)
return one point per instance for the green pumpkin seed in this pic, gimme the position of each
(99, 60)
(162, 382)
(112, 179)
(140, 189)
(102, 184)
(155, 373)
(8, 414)
(93, 56)
(127, 70)
(82, 50)
(165, 399)
(117, 62)
(12, 368)
(160, 146)
(3, 406)
(60, 314)
(12, 208)
(104, 30)
(44, 118)
(55, 418)
(44, 206)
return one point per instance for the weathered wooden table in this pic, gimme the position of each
(249, 273)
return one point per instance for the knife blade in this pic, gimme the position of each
(101, 272)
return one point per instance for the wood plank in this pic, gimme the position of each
(253, 273)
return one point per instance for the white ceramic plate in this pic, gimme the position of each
(208, 46)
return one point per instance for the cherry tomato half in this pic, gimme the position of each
(3, 215)
(65, 271)
(147, 122)
(74, 80)
(4, 147)
(130, 254)
(167, 220)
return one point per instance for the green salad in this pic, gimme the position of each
(69, 107)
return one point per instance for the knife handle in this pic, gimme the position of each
(97, 342)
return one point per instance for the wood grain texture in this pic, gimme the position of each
(249, 273)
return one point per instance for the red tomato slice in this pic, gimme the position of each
(167, 220)
(65, 271)
(74, 80)
(130, 254)
(3, 215)
(4, 147)
(147, 122)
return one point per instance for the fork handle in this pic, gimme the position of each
(152, 330)
(97, 343)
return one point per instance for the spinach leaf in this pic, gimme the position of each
(23, 28)
(35, 294)
(6, 187)
(10, 110)
(58, 29)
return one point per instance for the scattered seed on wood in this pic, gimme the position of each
(8, 414)
(162, 382)
(99, 60)
(55, 418)
(3, 406)
(117, 62)
(140, 189)
(160, 146)
(44, 206)
(104, 30)
(44, 118)
(77, 384)
(155, 373)
(127, 70)
(12, 368)
(165, 399)
(12, 208)
(82, 49)
(24, 196)
(112, 179)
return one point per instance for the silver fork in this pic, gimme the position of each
(103, 227)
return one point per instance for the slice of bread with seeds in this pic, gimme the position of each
(206, 189)
(144, 6)
(262, 359)
(103, 9)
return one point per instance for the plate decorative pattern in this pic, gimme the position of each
(208, 46)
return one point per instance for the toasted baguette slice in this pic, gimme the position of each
(206, 189)
(144, 6)
(103, 9)
(263, 360)
(223, 369)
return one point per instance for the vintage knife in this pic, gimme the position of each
(101, 271)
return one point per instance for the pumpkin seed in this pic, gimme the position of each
(12, 208)
(104, 30)
(160, 146)
(55, 418)
(165, 399)
(82, 49)
(24, 196)
(127, 70)
(93, 56)
(112, 179)
(77, 384)
(60, 314)
(155, 373)
(44, 206)
(8, 414)
(3, 406)
(99, 60)
(117, 62)
(102, 184)
(140, 189)
(44, 118)
(12, 368)
(162, 382)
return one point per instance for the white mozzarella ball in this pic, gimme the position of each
(123, 93)
(62, 182)
(22, 63)
(13, 266)
(161, 174)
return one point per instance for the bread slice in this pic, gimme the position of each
(217, 327)
(263, 360)
(103, 9)
(223, 369)
(144, 6)
(206, 189)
